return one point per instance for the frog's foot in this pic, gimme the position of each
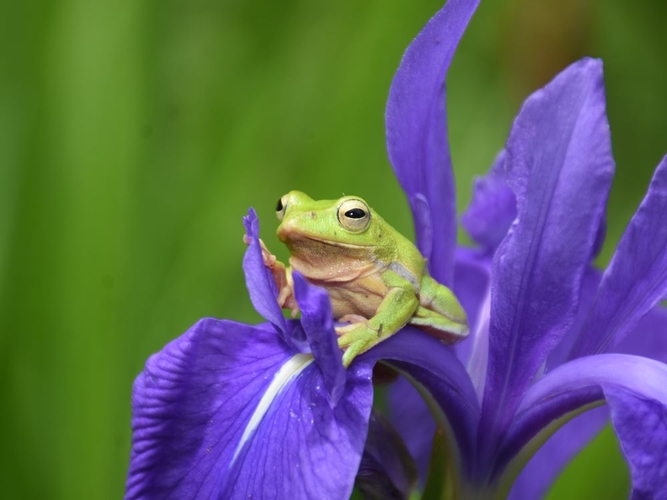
(268, 258)
(356, 339)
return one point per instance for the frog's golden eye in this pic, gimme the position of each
(354, 215)
(281, 206)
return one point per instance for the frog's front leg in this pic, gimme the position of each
(397, 307)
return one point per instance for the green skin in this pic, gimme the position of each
(376, 278)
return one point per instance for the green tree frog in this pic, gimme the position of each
(376, 278)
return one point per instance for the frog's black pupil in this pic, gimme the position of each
(279, 205)
(355, 213)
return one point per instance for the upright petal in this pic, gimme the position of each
(472, 288)
(560, 168)
(636, 279)
(417, 134)
(261, 285)
(589, 287)
(492, 208)
(648, 338)
(225, 397)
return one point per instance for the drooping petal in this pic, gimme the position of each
(412, 419)
(436, 369)
(261, 285)
(492, 208)
(634, 387)
(317, 322)
(636, 279)
(301, 436)
(387, 471)
(640, 423)
(225, 397)
(417, 134)
(546, 465)
(560, 167)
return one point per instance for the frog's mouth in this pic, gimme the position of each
(326, 249)
(302, 241)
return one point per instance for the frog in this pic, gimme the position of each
(377, 280)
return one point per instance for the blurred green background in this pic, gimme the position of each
(135, 135)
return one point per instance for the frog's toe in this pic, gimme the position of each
(352, 332)
(356, 339)
(348, 357)
(343, 331)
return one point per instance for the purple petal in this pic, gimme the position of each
(600, 237)
(492, 208)
(317, 321)
(417, 134)
(435, 367)
(225, 397)
(646, 339)
(640, 423)
(584, 381)
(387, 470)
(472, 279)
(473, 288)
(546, 465)
(636, 279)
(413, 420)
(589, 287)
(649, 337)
(259, 280)
(302, 437)
(559, 158)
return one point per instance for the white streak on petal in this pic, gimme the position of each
(293, 367)
(480, 351)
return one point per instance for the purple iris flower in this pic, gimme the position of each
(230, 410)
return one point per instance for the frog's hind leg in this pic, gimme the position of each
(439, 326)
(440, 312)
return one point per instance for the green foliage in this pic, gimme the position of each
(135, 135)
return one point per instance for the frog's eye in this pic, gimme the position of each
(281, 206)
(354, 215)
